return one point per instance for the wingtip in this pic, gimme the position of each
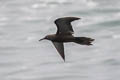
(78, 18)
(74, 18)
(70, 18)
(64, 60)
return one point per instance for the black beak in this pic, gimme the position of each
(41, 39)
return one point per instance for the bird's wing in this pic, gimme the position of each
(64, 25)
(60, 49)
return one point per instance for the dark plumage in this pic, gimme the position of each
(64, 34)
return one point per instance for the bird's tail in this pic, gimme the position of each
(84, 40)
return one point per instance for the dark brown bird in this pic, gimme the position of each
(64, 34)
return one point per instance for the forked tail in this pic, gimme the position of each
(84, 40)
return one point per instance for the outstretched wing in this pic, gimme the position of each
(64, 25)
(60, 49)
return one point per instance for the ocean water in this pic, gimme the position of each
(24, 22)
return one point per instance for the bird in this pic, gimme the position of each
(64, 34)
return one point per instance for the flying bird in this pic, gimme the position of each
(64, 34)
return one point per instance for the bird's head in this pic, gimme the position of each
(48, 37)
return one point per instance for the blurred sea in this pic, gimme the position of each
(24, 22)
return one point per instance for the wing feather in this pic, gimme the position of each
(64, 25)
(60, 49)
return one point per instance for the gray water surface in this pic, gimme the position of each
(24, 22)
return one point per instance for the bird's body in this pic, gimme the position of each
(61, 38)
(64, 34)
